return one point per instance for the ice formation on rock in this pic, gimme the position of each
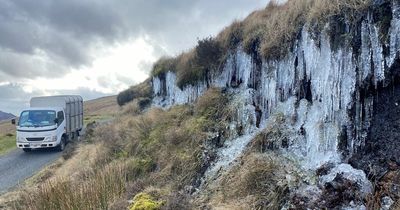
(321, 85)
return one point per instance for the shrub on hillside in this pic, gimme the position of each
(142, 90)
(206, 58)
(194, 65)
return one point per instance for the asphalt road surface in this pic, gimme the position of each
(18, 165)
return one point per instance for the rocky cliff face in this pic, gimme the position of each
(340, 86)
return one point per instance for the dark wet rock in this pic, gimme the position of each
(324, 169)
(381, 152)
(340, 191)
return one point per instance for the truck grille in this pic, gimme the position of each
(35, 139)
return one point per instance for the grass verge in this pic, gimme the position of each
(7, 143)
(95, 118)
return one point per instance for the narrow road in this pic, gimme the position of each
(17, 165)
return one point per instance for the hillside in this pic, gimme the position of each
(295, 107)
(5, 116)
(101, 106)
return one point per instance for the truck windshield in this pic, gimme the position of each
(37, 118)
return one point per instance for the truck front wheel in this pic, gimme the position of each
(61, 146)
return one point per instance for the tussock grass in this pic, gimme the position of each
(258, 183)
(270, 32)
(95, 191)
(158, 152)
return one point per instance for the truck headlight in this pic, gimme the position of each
(51, 138)
(20, 139)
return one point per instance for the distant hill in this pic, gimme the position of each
(101, 106)
(5, 116)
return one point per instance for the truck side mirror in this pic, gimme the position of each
(56, 121)
(13, 121)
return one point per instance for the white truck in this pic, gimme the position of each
(51, 121)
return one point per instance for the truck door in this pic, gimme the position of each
(60, 124)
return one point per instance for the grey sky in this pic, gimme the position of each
(50, 38)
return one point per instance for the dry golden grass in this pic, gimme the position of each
(272, 31)
(231, 36)
(95, 191)
(257, 182)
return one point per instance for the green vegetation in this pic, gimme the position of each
(95, 118)
(7, 143)
(144, 201)
(163, 65)
(141, 91)
(195, 65)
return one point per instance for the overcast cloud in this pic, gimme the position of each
(51, 39)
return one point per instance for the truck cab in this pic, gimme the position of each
(41, 128)
(50, 126)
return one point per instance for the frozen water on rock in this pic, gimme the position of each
(394, 32)
(167, 93)
(226, 156)
(387, 202)
(349, 173)
(354, 206)
(320, 109)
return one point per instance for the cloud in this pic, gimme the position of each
(13, 97)
(50, 39)
(86, 93)
(68, 31)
